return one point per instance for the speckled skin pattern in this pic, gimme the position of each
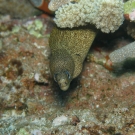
(69, 48)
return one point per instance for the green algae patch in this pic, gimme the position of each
(129, 6)
(16, 29)
(22, 131)
(35, 28)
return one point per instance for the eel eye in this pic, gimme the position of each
(55, 76)
(65, 72)
(68, 75)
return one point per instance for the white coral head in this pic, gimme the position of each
(110, 15)
(106, 15)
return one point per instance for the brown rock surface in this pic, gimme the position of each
(98, 102)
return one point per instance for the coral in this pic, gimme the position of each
(126, 53)
(109, 16)
(55, 4)
(120, 56)
(106, 15)
(69, 48)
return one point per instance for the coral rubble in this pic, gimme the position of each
(98, 102)
(31, 103)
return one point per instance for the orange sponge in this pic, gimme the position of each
(42, 5)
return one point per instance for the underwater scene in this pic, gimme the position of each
(67, 67)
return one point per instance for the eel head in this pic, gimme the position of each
(63, 79)
(62, 68)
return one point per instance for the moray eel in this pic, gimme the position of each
(69, 48)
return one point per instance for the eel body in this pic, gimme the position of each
(69, 48)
